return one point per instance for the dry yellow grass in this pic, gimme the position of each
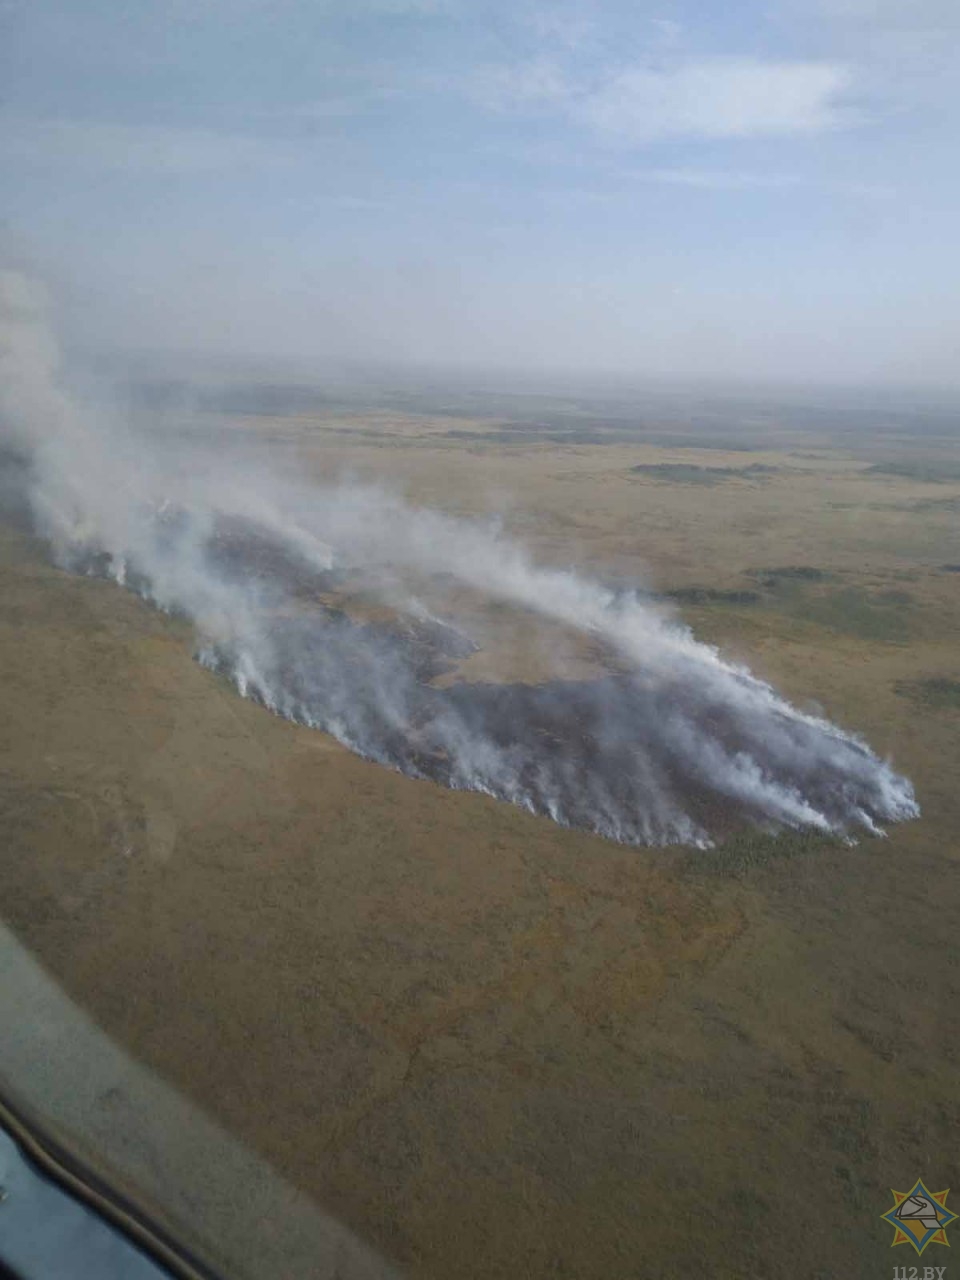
(494, 1047)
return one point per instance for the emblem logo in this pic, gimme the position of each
(919, 1217)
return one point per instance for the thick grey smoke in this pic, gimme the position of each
(668, 743)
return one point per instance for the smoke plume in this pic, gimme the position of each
(345, 608)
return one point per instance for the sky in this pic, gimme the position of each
(755, 189)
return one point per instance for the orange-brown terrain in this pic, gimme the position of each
(490, 1046)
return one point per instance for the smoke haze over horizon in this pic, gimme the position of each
(762, 191)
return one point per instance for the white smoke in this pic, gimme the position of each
(663, 749)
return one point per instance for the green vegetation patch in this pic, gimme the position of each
(796, 591)
(750, 850)
(943, 472)
(712, 595)
(939, 692)
(690, 473)
(856, 612)
(938, 505)
(791, 573)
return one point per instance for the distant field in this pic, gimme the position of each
(493, 1046)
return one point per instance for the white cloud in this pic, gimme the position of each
(567, 28)
(898, 15)
(701, 98)
(332, 8)
(668, 31)
(720, 98)
(96, 145)
(717, 179)
(395, 8)
(743, 180)
(524, 84)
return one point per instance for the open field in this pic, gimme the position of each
(491, 1046)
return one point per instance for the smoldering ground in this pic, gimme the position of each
(665, 741)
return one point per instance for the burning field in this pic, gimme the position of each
(658, 740)
(347, 609)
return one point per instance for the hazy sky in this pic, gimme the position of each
(681, 186)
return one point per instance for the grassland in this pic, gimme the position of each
(493, 1047)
